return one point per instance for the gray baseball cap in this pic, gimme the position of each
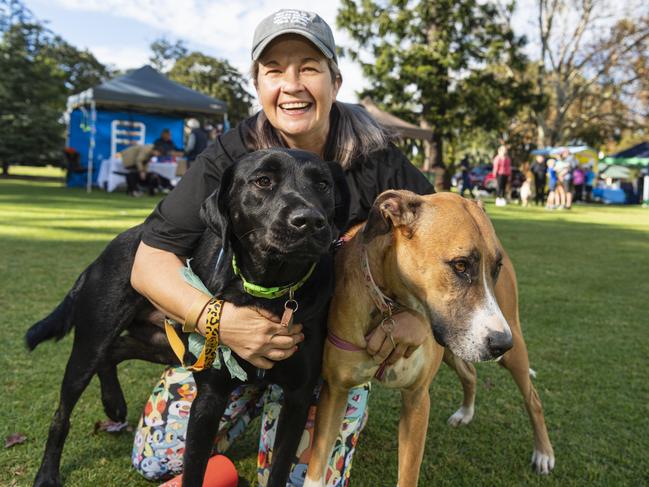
(288, 21)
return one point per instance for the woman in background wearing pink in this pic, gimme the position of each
(502, 169)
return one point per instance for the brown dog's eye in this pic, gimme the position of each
(263, 182)
(499, 266)
(460, 267)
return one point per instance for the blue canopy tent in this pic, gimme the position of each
(130, 109)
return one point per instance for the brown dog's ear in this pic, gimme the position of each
(481, 205)
(396, 209)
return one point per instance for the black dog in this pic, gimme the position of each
(278, 211)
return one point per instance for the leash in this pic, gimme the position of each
(338, 342)
(290, 306)
(209, 353)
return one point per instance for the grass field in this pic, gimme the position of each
(584, 292)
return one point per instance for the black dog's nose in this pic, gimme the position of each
(306, 219)
(498, 343)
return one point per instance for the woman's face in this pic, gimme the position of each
(296, 91)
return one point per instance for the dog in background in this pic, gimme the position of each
(526, 187)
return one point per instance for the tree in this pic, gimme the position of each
(38, 70)
(592, 70)
(216, 78)
(164, 53)
(447, 65)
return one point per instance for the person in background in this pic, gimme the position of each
(553, 180)
(197, 141)
(568, 164)
(539, 169)
(589, 182)
(502, 170)
(466, 177)
(578, 178)
(165, 146)
(135, 160)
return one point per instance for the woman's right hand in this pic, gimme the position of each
(256, 335)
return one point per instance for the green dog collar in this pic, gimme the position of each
(269, 292)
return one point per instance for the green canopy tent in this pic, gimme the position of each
(616, 172)
(638, 155)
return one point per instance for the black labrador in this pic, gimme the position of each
(278, 211)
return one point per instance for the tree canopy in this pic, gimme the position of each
(446, 65)
(592, 69)
(209, 75)
(38, 71)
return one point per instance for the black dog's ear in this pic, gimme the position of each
(343, 197)
(214, 211)
(396, 209)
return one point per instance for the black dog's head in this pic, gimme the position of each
(287, 203)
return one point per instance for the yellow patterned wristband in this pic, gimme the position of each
(212, 325)
(214, 307)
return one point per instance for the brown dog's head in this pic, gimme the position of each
(447, 256)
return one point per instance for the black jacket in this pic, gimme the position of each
(175, 224)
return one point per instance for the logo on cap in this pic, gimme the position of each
(298, 17)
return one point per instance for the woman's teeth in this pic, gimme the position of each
(294, 106)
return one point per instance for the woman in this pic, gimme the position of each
(502, 169)
(296, 76)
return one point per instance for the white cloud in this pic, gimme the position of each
(225, 28)
(121, 57)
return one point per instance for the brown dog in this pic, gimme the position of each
(438, 256)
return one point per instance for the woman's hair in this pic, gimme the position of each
(353, 132)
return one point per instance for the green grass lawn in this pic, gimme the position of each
(584, 289)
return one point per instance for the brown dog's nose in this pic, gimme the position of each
(498, 343)
(306, 219)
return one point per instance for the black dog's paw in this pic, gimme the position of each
(47, 482)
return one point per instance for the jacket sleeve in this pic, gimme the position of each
(382, 170)
(405, 175)
(175, 224)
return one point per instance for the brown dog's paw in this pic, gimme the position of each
(542, 463)
(461, 417)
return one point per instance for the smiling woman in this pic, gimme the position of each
(297, 89)
(297, 79)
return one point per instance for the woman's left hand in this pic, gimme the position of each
(410, 331)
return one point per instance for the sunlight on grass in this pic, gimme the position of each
(44, 171)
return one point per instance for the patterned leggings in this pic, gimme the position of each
(160, 437)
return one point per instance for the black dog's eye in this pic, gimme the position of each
(263, 182)
(322, 185)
